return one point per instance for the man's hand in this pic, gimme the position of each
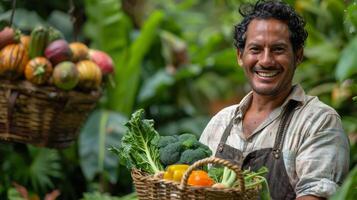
(310, 197)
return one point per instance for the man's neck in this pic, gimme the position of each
(266, 103)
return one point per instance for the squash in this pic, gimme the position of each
(13, 59)
(38, 70)
(79, 50)
(25, 40)
(90, 76)
(9, 35)
(65, 75)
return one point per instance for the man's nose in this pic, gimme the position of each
(267, 58)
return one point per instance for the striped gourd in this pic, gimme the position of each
(38, 70)
(38, 42)
(13, 59)
(90, 76)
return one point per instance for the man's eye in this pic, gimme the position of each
(279, 50)
(254, 50)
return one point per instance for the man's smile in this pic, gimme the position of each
(266, 73)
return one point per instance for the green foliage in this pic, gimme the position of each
(178, 64)
(346, 66)
(352, 16)
(128, 73)
(138, 146)
(101, 196)
(95, 139)
(36, 167)
(348, 190)
(13, 194)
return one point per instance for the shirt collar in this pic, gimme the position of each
(297, 94)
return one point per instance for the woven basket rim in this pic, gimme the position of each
(52, 92)
(141, 175)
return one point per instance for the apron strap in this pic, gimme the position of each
(226, 133)
(284, 123)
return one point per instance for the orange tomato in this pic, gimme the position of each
(200, 178)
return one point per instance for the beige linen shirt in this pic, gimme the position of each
(315, 149)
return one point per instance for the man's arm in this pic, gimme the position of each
(323, 158)
(310, 197)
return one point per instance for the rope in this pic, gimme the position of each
(12, 11)
(71, 12)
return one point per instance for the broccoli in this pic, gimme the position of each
(170, 154)
(190, 144)
(187, 136)
(192, 155)
(166, 140)
(205, 148)
(184, 149)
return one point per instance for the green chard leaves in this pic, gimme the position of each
(139, 145)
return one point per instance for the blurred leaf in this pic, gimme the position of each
(321, 89)
(23, 19)
(62, 22)
(102, 130)
(352, 14)
(322, 53)
(348, 191)
(347, 64)
(349, 123)
(36, 167)
(45, 165)
(209, 46)
(154, 85)
(194, 125)
(354, 98)
(107, 21)
(128, 74)
(335, 8)
(188, 71)
(171, 44)
(98, 196)
(13, 194)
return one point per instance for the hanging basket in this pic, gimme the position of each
(149, 187)
(42, 116)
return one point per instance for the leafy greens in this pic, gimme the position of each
(139, 145)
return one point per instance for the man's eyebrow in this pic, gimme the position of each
(274, 44)
(253, 44)
(280, 44)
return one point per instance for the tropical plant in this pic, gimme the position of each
(175, 59)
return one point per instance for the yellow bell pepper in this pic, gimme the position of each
(175, 172)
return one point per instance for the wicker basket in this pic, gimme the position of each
(42, 116)
(149, 187)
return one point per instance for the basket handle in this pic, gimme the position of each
(213, 160)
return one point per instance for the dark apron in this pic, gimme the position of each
(277, 177)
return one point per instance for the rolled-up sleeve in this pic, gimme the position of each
(322, 160)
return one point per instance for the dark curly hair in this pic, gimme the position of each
(265, 9)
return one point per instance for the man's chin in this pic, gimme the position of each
(266, 91)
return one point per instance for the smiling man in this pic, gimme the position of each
(299, 138)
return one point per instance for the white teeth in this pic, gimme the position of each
(267, 74)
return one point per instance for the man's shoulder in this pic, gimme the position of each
(229, 110)
(315, 106)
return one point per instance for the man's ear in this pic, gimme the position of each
(299, 55)
(239, 57)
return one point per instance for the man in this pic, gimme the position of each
(299, 138)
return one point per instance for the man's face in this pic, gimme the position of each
(268, 58)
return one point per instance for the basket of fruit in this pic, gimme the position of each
(176, 167)
(49, 86)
